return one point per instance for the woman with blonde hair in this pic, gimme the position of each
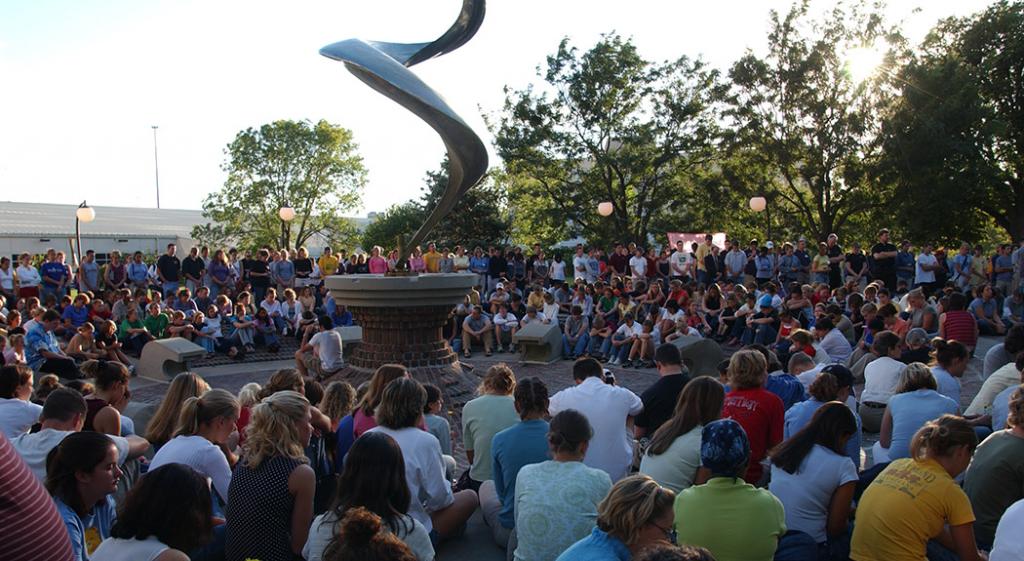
(338, 400)
(363, 417)
(486, 416)
(636, 514)
(916, 402)
(270, 499)
(200, 440)
(759, 411)
(915, 507)
(164, 422)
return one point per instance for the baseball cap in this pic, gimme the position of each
(724, 447)
(842, 374)
(765, 301)
(499, 285)
(769, 244)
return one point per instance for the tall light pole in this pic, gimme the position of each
(156, 167)
(286, 213)
(84, 213)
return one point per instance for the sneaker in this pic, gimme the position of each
(613, 362)
(627, 363)
(511, 348)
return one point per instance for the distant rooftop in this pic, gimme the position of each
(55, 220)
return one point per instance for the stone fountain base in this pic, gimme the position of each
(402, 318)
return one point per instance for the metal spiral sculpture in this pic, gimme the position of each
(385, 68)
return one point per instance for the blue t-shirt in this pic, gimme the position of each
(904, 259)
(910, 411)
(77, 316)
(598, 546)
(800, 415)
(87, 533)
(982, 309)
(479, 264)
(1004, 261)
(1001, 408)
(521, 444)
(37, 339)
(787, 387)
(764, 267)
(949, 386)
(52, 270)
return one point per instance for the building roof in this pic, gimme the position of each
(55, 220)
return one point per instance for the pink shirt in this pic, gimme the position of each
(378, 265)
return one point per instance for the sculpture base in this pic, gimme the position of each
(403, 318)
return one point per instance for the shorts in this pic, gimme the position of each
(316, 367)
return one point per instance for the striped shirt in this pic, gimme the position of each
(32, 528)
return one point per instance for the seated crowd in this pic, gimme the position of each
(763, 461)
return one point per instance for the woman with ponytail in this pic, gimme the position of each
(834, 383)
(270, 499)
(111, 381)
(521, 444)
(200, 441)
(486, 416)
(914, 508)
(164, 422)
(815, 480)
(81, 474)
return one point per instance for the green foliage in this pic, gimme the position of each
(393, 226)
(314, 167)
(610, 126)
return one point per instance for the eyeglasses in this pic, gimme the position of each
(670, 533)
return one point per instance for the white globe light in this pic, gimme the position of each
(86, 214)
(605, 209)
(757, 204)
(286, 213)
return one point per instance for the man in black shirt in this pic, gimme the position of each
(660, 399)
(193, 267)
(884, 254)
(856, 265)
(259, 275)
(496, 268)
(168, 268)
(835, 262)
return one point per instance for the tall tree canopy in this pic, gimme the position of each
(956, 142)
(314, 167)
(609, 126)
(805, 122)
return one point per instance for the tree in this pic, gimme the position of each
(479, 219)
(956, 142)
(810, 127)
(315, 168)
(611, 127)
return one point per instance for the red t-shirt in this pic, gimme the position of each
(33, 530)
(760, 413)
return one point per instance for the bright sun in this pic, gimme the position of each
(862, 62)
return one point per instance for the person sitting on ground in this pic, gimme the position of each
(373, 479)
(521, 444)
(986, 312)
(714, 513)
(42, 351)
(668, 552)
(201, 439)
(832, 341)
(476, 327)
(759, 411)
(917, 349)
(64, 414)
(914, 506)
(437, 424)
(82, 345)
(949, 363)
(1008, 376)
(834, 382)
(181, 524)
(610, 410)
(17, 412)
(321, 355)
(399, 415)
(1004, 352)
(958, 323)
(270, 498)
(363, 417)
(617, 347)
(505, 327)
(362, 537)
(163, 424)
(673, 456)
(636, 514)
(815, 480)
(556, 500)
(133, 333)
(14, 353)
(337, 402)
(156, 321)
(82, 473)
(575, 334)
(641, 354)
(881, 377)
(487, 415)
(660, 400)
(600, 331)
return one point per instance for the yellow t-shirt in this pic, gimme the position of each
(821, 263)
(907, 505)
(328, 265)
(432, 260)
(535, 300)
(702, 251)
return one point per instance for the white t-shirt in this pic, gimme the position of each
(630, 330)
(880, 378)
(606, 407)
(678, 263)
(1009, 540)
(579, 262)
(271, 307)
(921, 275)
(28, 276)
(7, 279)
(17, 416)
(506, 323)
(199, 454)
(424, 472)
(34, 447)
(328, 344)
(558, 270)
(806, 494)
(122, 549)
(675, 468)
(638, 265)
(410, 531)
(527, 320)
(672, 317)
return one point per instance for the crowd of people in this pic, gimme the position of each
(764, 461)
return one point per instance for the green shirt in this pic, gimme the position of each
(157, 325)
(122, 330)
(482, 418)
(995, 480)
(715, 514)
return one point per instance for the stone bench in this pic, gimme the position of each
(350, 334)
(162, 359)
(539, 343)
(701, 356)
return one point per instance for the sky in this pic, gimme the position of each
(83, 81)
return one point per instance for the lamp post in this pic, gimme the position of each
(286, 213)
(84, 213)
(605, 208)
(156, 167)
(760, 204)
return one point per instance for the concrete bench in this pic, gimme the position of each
(539, 343)
(350, 334)
(162, 359)
(701, 356)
